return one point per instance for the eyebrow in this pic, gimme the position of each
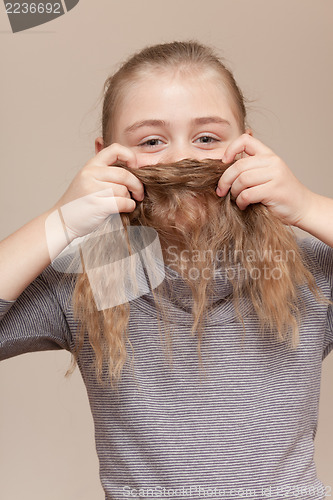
(204, 120)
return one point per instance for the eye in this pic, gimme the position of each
(150, 143)
(207, 139)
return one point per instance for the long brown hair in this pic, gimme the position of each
(181, 204)
(193, 193)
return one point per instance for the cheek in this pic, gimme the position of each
(144, 159)
(214, 154)
(167, 157)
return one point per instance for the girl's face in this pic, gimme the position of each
(164, 118)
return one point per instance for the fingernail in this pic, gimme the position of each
(218, 192)
(224, 159)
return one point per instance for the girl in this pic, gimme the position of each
(249, 429)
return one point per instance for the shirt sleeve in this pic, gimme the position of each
(322, 259)
(35, 321)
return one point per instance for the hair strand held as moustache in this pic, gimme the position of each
(261, 260)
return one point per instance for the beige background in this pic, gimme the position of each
(281, 54)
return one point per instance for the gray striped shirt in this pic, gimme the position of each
(245, 431)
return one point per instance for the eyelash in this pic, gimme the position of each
(212, 139)
(150, 145)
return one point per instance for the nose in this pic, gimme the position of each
(176, 154)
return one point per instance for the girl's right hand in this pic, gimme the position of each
(100, 189)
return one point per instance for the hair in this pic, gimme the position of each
(182, 206)
(190, 58)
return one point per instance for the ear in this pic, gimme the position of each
(99, 144)
(249, 131)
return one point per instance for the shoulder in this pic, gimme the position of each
(58, 281)
(318, 256)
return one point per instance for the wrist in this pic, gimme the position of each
(318, 218)
(57, 235)
(310, 212)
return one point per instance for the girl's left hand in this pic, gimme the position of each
(262, 177)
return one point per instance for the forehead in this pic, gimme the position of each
(175, 95)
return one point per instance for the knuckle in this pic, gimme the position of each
(239, 167)
(245, 196)
(130, 153)
(123, 191)
(85, 173)
(83, 170)
(121, 174)
(127, 178)
(126, 205)
(124, 150)
(115, 146)
(108, 191)
(84, 180)
(242, 179)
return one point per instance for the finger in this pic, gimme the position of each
(252, 195)
(115, 204)
(116, 189)
(124, 204)
(245, 143)
(250, 178)
(121, 176)
(230, 175)
(116, 152)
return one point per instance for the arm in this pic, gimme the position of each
(98, 190)
(35, 305)
(25, 254)
(39, 319)
(318, 219)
